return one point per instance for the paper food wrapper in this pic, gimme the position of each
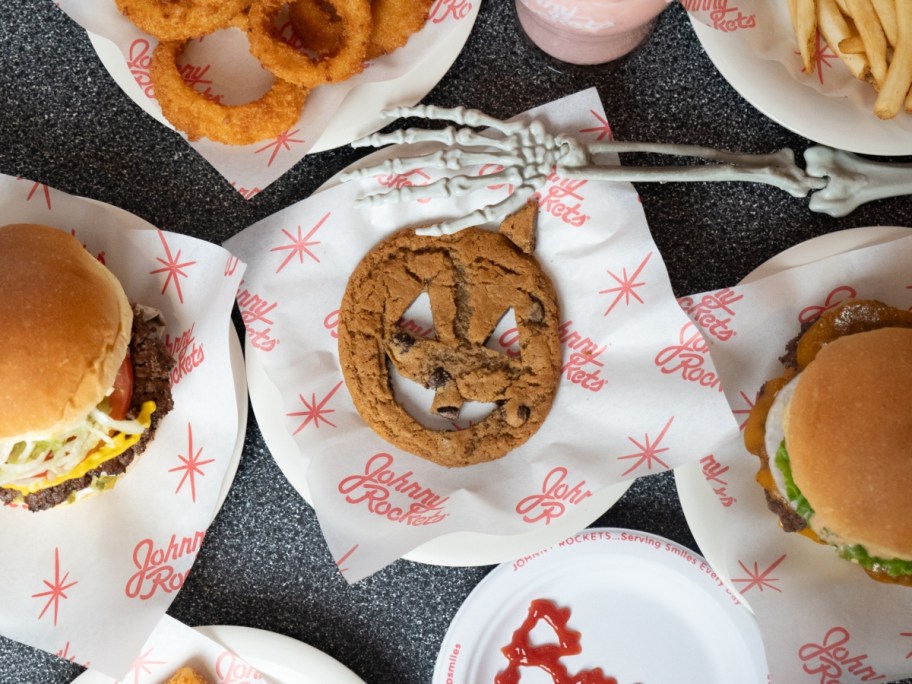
(765, 27)
(221, 66)
(637, 395)
(822, 618)
(174, 645)
(92, 579)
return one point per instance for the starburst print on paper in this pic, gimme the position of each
(626, 286)
(907, 634)
(246, 193)
(173, 267)
(823, 56)
(64, 653)
(282, 142)
(56, 589)
(45, 189)
(758, 578)
(748, 407)
(648, 451)
(191, 465)
(604, 130)
(298, 245)
(143, 665)
(314, 411)
(348, 554)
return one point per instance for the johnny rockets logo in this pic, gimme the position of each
(583, 366)
(563, 199)
(443, 9)
(713, 312)
(188, 354)
(837, 296)
(830, 660)
(688, 358)
(556, 495)
(230, 669)
(256, 312)
(724, 15)
(415, 177)
(139, 60)
(157, 566)
(392, 494)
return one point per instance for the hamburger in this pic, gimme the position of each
(834, 436)
(84, 373)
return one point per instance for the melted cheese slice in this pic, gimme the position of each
(102, 454)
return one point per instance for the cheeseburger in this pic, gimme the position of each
(834, 436)
(83, 372)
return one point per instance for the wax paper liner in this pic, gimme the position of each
(174, 645)
(637, 394)
(766, 27)
(221, 66)
(92, 579)
(822, 618)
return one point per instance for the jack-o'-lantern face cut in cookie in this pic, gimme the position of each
(472, 278)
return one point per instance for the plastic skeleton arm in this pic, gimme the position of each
(528, 155)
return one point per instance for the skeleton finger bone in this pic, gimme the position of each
(442, 159)
(444, 187)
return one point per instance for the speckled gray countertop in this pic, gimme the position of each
(64, 122)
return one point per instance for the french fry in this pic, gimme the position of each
(804, 22)
(835, 29)
(893, 94)
(886, 12)
(872, 34)
(853, 45)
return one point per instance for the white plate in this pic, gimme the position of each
(701, 508)
(646, 608)
(236, 355)
(457, 549)
(280, 658)
(359, 114)
(834, 121)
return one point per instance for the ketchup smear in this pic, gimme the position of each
(547, 657)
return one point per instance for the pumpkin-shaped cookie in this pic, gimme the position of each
(472, 278)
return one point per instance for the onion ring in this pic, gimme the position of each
(200, 117)
(317, 26)
(393, 23)
(283, 60)
(181, 19)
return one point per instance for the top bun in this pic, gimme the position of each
(848, 429)
(66, 328)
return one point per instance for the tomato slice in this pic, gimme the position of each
(120, 398)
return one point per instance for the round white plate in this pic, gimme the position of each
(457, 549)
(701, 508)
(359, 114)
(236, 355)
(647, 610)
(280, 658)
(833, 121)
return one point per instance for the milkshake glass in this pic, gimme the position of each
(588, 32)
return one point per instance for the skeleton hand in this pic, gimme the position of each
(528, 155)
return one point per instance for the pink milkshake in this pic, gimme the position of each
(588, 31)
